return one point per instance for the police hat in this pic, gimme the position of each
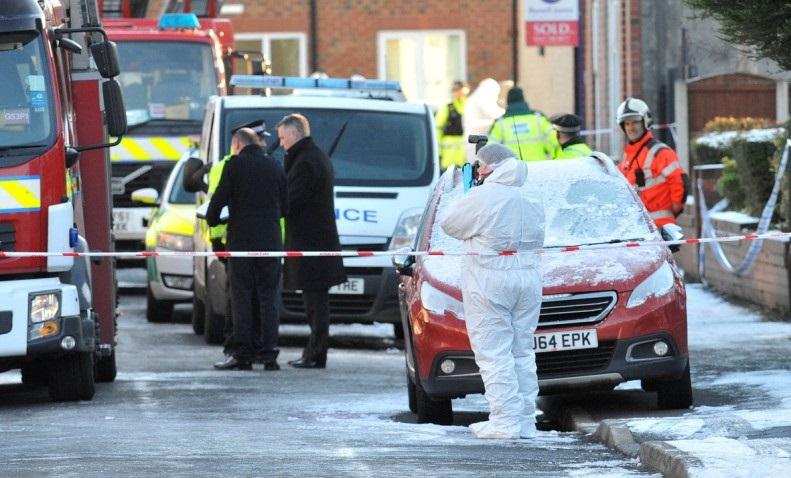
(566, 123)
(258, 126)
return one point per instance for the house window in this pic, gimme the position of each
(287, 52)
(426, 62)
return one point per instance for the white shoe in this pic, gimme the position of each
(488, 430)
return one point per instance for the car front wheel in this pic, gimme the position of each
(674, 394)
(157, 310)
(438, 412)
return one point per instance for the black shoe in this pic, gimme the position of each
(271, 365)
(306, 363)
(232, 363)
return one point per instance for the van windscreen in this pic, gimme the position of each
(372, 148)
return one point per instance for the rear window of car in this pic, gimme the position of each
(372, 148)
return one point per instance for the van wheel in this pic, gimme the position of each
(198, 314)
(438, 412)
(105, 368)
(411, 393)
(71, 377)
(157, 310)
(213, 323)
(674, 394)
(34, 374)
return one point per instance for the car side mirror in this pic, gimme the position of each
(147, 196)
(672, 232)
(105, 55)
(403, 262)
(192, 178)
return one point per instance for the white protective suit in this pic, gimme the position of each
(480, 111)
(502, 294)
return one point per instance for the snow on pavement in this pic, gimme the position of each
(752, 436)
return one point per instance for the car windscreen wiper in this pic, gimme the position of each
(21, 146)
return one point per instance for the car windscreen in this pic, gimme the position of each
(583, 204)
(179, 195)
(166, 80)
(27, 114)
(372, 148)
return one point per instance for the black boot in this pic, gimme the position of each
(307, 363)
(232, 363)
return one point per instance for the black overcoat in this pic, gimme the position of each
(310, 222)
(253, 186)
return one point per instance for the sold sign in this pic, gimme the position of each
(552, 22)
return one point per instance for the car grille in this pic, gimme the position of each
(571, 362)
(155, 177)
(576, 309)
(339, 304)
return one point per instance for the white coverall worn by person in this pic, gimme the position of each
(502, 294)
(480, 111)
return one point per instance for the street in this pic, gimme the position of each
(169, 413)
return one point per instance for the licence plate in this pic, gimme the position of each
(571, 340)
(352, 286)
(128, 221)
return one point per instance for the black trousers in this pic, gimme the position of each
(317, 309)
(254, 286)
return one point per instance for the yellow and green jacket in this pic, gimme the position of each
(450, 133)
(575, 148)
(528, 133)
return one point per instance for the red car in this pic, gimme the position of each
(607, 316)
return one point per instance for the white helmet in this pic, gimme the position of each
(634, 108)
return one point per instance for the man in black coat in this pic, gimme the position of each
(253, 186)
(310, 226)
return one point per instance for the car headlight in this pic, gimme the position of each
(434, 300)
(174, 242)
(406, 229)
(44, 307)
(656, 285)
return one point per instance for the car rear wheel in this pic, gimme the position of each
(157, 310)
(71, 377)
(674, 394)
(438, 412)
(213, 324)
(198, 314)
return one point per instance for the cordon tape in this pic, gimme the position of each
(397, 252)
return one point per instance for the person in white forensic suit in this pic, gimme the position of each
(502, 293)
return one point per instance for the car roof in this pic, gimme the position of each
(321, 102)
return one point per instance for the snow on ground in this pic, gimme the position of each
(724, 439)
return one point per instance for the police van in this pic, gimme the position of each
(384, 153)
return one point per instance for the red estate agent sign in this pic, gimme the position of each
(552, 22)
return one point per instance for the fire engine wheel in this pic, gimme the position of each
(34, 374)
(71, 377)
(157, 310)
(674, 394)
(214, 324)
(198, 314)
(105, 368)
(438, 412)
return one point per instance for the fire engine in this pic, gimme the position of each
(59, 101)
(170, 67)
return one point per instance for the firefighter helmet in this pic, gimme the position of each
(634, 108)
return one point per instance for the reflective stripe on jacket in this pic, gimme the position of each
(530, 136)
(653, 168)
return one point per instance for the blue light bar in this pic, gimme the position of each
(260, 81)
(179, 21)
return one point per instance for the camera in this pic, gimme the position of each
(479, 140)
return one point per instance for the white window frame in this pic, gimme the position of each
(418, 35)
(266, 45)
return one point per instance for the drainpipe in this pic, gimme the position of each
(515, 41)
(314, 35)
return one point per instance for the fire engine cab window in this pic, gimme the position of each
(371, 148)
(26, 115)
(166, 81)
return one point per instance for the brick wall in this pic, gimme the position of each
(767, 285)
